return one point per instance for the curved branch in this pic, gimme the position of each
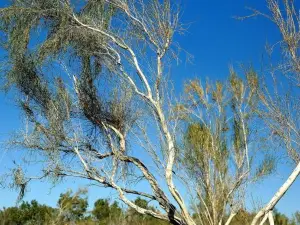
(124, 47)
(161, 198)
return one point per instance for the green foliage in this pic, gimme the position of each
(135, 218)
(141, 203)
(72, 210)
(22, 16)
(105, 213)
(220, 125)
(245, 218)
(199, 149)
(43, 34)
(72, 206)
(266, 167)
(27, 213)
(101, 209)
(242, 217)
(281, 219)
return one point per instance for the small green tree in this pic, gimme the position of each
(106, 213)
(219, 123)
(115, 211)
(72, 207)
(101, 209)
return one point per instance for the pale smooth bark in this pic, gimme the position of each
(232, 215)
(156, 106)
(271, 219)
(264, 220)
(279, 194)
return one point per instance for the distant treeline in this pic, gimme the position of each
(72, 209)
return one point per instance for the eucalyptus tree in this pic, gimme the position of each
(91, 81)
(93, 86)
(220, 144)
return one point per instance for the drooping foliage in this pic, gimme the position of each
(20, 23)
(39, 35)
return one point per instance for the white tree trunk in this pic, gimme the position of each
(271, 219)
(264, 220)
(280, 193)
(230, 218)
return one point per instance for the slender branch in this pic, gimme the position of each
(232, 215)
(123, 46)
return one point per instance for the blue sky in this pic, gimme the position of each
(216, 40)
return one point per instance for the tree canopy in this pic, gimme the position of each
(92, 81)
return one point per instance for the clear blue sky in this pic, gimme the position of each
(216, 40)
